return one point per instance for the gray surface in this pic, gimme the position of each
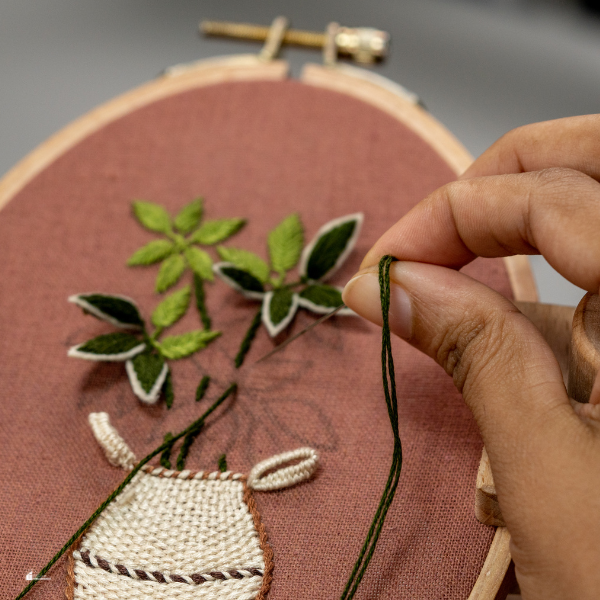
(482, 68)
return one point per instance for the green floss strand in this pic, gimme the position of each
(168, 444)
(202, 387)
(201, 302)
(247, 341)
(389, 389)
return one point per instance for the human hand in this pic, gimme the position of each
(535, 191)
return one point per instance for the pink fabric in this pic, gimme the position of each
(259, 150)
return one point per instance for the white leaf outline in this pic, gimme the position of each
(358, 218)
(323, 310)
(148, 397)
(74, 352)
(252, 295)
(78, 300)
(266, 314)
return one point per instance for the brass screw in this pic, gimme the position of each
(363, 44)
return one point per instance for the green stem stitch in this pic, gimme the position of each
(202, 387)
(389, 388)
(166, 455)
(247, 341)
(164, 446)
(200, 302)
(222, 462)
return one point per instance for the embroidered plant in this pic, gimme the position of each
(180, 246)
(144, 352)
(256, 279)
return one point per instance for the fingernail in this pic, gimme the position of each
(361, 294)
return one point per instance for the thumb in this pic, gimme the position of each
(507, 373)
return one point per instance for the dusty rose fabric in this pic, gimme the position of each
(259, 150)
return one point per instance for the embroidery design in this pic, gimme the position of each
(144, 352)
(182, 534)
(252, 277)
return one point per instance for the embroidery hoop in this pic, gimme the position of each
(370, 88)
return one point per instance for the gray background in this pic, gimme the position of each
(482, 68)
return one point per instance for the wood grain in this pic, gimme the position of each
(584, 362)
(495, 567)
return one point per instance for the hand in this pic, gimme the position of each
(534, 191)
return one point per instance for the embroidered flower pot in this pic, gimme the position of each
(181, 534)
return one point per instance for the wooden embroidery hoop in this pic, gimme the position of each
(358, 83)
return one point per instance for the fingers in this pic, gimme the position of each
(555, 212)
(572, 143)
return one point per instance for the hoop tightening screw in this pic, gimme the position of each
(363, 44)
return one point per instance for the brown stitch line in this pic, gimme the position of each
(150, 468)
(177, 578)
(123, 570)
(159, 577)
(236, 574)
(264, 543)
(218, 575)
(70, 588)
(197, 578)
(103, 564)
(142, 575)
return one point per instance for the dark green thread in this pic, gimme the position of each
(389, 389)
(168, 444)
(247, 341)
(167, 390)
(165, 457)
(222, 462)
(201, 302)
(202, 387)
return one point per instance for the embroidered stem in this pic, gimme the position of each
(389, 389)
(202, 387)
(166, 455)
(167, 444)
(247, 341)
(201, 302)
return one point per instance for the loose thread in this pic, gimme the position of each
(201, 301)
(247, 341)
(389, 389)
(230, 390)
(202, 387)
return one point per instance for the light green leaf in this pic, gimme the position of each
(152, 216)
(180, 346)
(116, 310)
(330, 247)
(151, 253)
(200, 262)
(246, 261)
(278, 310)
(240, 280)
(213, 232)
(147, 373)
(285, 244)
(170, 271)
(172, 308)
(115, 347)
(189, 216)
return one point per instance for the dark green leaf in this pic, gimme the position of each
(116, 310)
(240, 280)
(201, 301)
(213, 232)
(330, 247)
(172, 308)
(166, 455)
(320, 298)
(279, 309)
(200, 262)
(110, 347)
(189, 217)
(152, 216)
(151, 253)
(202, 387)
(170, 271)
(222, 462)
(179, 346)
(168, 390)
(147, 373)
(246, 261)
(285, 244)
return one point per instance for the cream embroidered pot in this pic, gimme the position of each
(181, 534)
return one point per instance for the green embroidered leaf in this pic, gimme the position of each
(278, 309)
(119, 311)
(213, 232)
(285, 244)
(111, 347)
(170, 271)
(172, 308)
(189, 217)
(152, 216)
(167, 391)
(200, 262)
(166, 455)
(222, 462)
(151, 253)
(147, 373)
(202, 387)
(201, 301)
(320, 299)
(179, 346)
(240, 280)
(246, 261)
(330, 247)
